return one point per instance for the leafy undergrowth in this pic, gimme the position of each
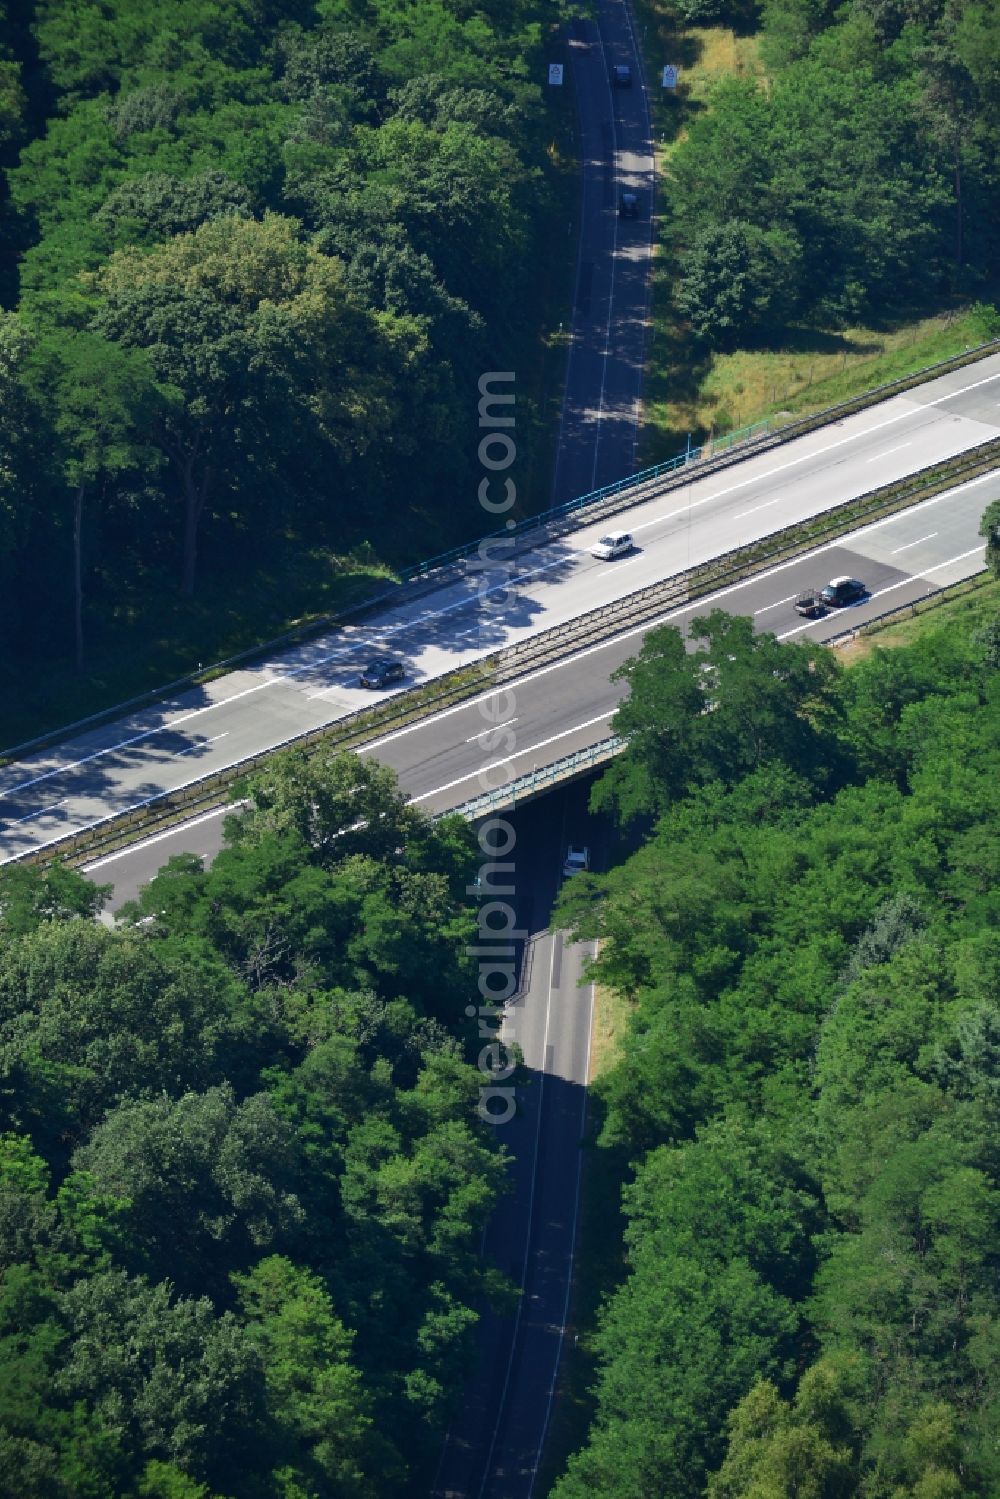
(973, 609)
(806, 1090)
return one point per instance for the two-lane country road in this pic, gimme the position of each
(599, 431)
(495, 1446)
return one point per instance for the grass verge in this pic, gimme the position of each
(810, 371)
(692, 390)
(974, 604)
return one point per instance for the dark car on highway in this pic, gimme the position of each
(628, 205)
(621, 76)
(841, 591)
(382, 673)
(810, 604)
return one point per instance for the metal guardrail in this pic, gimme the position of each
(718, 452)
(927, 600)
(645, 604)
(422, 572)
(539, 780)
(763, 433)
(673, 592)
(203, 793)
(715, 447)
(526, 786)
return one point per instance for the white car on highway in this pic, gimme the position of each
(615, 544)
(577, 860)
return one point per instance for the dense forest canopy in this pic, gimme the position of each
(805, 1106)
(860, 181)
(243, 1177)
(256, 254)
(256, 257)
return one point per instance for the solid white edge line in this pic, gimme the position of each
(889, 588)
(642, 629)
(509, 759)
(543, 671)
(671, 614)
(817, 453)
(614, 260)
(501, 1404)
(290, 674)
(181, 827)
(571, 348)
(572, 1248)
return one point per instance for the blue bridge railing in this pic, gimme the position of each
(715, 445)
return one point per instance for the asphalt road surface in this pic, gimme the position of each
(111, 769)
(496, 1444)
(443, 761)
(494, 1448)
(600, 417)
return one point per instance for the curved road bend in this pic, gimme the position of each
(600, 418)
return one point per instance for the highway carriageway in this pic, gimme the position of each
(445, 760)
(115, 767)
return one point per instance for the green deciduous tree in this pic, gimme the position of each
(113, 1369)
(30, 896)
(820, 957)
(337, 804)
(199, 1174)
(87, 1018)
(314, 1394)
(739, 282)
(153, 206)
(807, 1450)
(737, 703)
(255, 346)
(711, 1235)
(990, 529)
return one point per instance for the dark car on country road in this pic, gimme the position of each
(382, 673)
(628, 205)
(841, 591)
(621, 76)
